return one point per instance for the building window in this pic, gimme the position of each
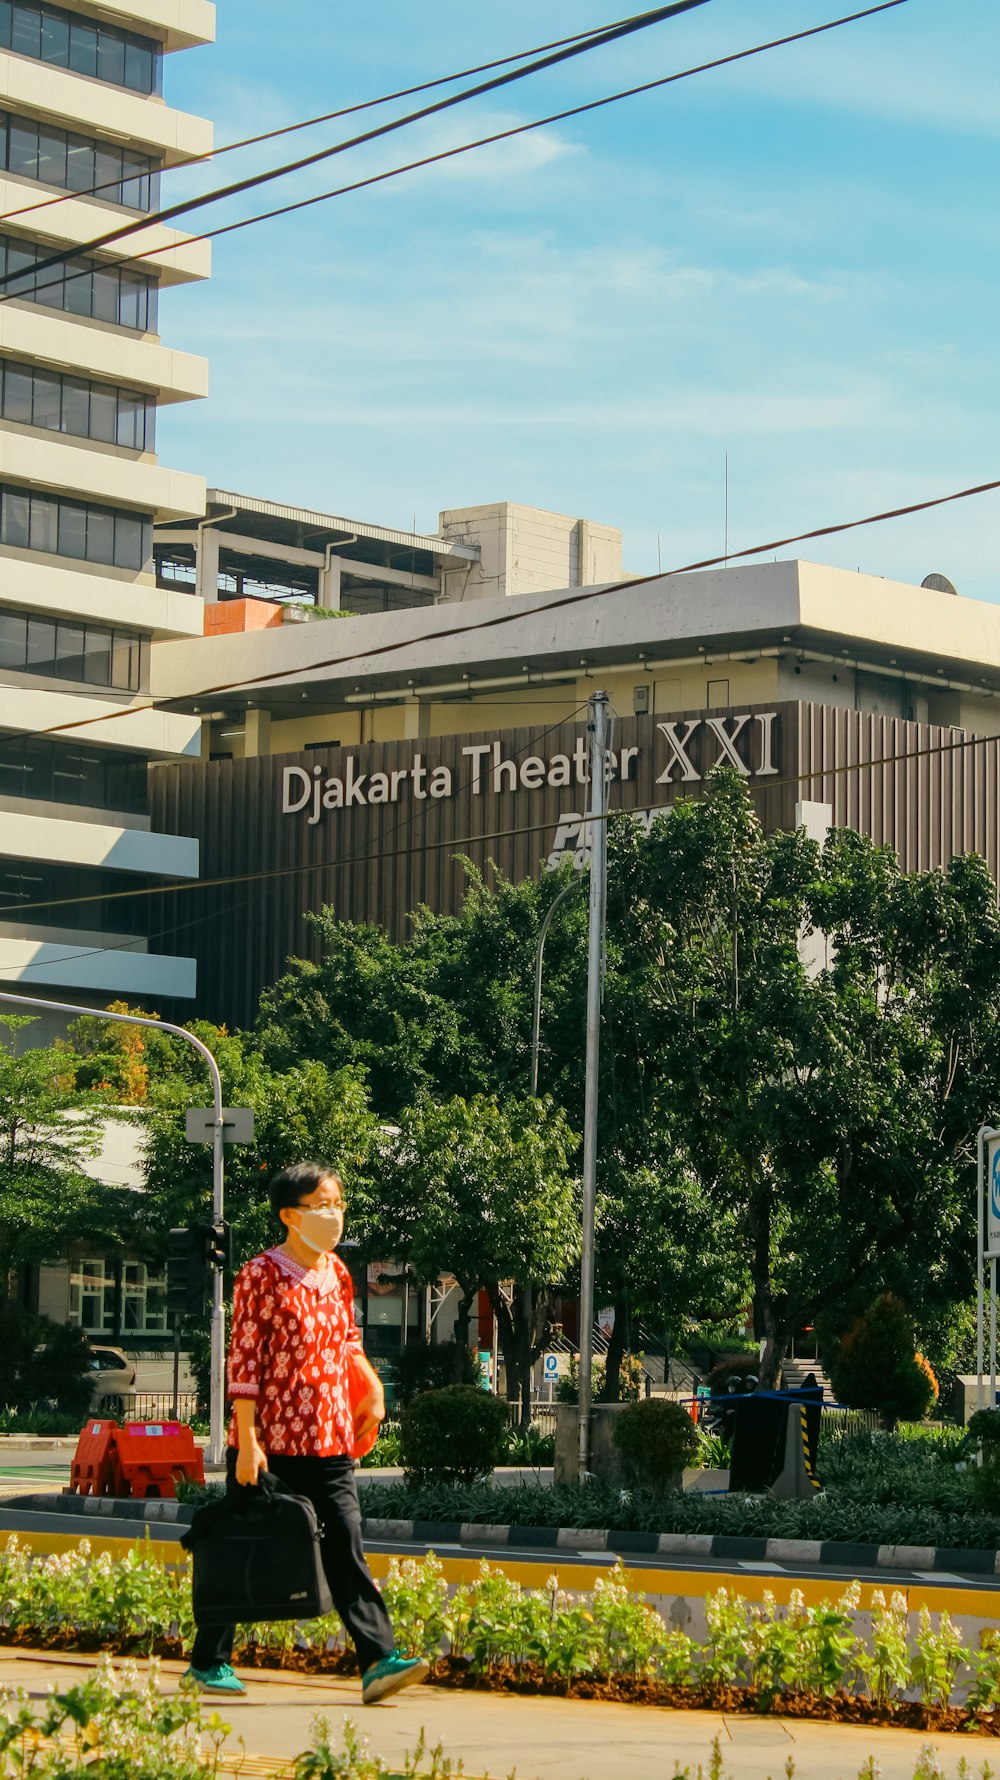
(63, 651)
(79, 286)
(35, 397)
(74, 896)
(34, 521)
(92, 1297)
(42, 151)
(717, 694)
(144, 1299)
(69, 773)
(83, 45)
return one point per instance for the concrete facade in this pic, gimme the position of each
(82, 372)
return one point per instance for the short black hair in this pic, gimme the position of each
(292, 1184)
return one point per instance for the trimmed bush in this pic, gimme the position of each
(46, 1365)
(455, 1435)
(656, 1440)
(877, 1366)
(421, 1367)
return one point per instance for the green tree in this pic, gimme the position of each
(50, 1133)
(876, 1365)
(484, 1189)
(307, 1111)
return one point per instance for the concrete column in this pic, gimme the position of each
(583, 553)
(329, 585)
(257, 734)
(207, 564)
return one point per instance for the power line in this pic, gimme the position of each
(401, 824)
(326, 117)
(574, 598)
(936, 749)
(450, 153)
(610, 34)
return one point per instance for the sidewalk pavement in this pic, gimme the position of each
(543, 1739)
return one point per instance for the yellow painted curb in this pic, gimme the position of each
(578, 1575)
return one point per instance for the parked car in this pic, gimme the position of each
(112, 1374)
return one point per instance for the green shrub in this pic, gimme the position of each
(529, 1446)
(877, 1366)
(452, 1435)
(421, 1367)
(45, 1365)
(656, 1440)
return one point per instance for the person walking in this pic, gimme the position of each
(293, 1347)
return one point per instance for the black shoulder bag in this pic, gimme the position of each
(257, 1557)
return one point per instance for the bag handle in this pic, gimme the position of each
(267, 1487)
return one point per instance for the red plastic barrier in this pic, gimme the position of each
(155, 1456)
(96, 1470)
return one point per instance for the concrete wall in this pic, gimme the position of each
(527, 550)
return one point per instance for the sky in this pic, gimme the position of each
(791, 263)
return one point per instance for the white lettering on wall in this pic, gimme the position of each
(491, 770)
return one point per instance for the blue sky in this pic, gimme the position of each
(794, 260)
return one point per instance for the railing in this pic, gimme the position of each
(543, 1416)
(158, 1406)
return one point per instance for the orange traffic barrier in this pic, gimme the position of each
(95, 1470)
(155, 1456)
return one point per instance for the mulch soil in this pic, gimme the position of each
(531, 1679)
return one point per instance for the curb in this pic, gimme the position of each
(105, 1507)
(580, 1540)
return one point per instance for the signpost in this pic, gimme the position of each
(213, 1135)
(988, 1248)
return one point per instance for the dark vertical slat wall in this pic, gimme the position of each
(379, 862)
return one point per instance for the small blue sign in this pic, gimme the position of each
(995, 1184)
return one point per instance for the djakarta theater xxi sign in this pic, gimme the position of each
(377, 831)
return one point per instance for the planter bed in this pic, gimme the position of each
(530, 1680)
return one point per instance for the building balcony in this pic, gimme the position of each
(97, 108)
(109, 846)
(144, 730)
(77, 220)
(177, 24)
(107, 966)
(84, 591)
(99, 473)
(137, 361)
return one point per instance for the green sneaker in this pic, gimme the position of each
(389, 1675)
(218, 1679)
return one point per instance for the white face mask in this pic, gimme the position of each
(320, 1230)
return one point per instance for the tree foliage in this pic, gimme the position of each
(50, 1136)
(876, 1365)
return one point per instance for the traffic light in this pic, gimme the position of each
(194, 1253)
(187, 1274)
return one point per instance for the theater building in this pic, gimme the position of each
(355, 762)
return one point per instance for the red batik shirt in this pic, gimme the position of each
(292, 1332)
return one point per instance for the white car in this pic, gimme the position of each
(112, 1374)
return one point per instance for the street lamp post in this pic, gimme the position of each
(598, 838)
(217, 1387)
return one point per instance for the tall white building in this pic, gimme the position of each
(82, 375)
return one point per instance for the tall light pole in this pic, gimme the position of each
(217, 1387)
(536, 1018)
(597, 815)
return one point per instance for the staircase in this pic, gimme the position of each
(795, 1372)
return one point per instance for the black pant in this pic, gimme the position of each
(330, 1487)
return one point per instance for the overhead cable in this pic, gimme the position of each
(611, 34)
(326, 117)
